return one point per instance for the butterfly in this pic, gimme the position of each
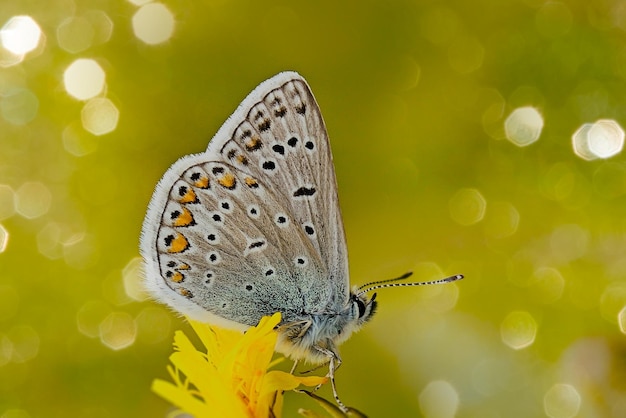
(252, 226)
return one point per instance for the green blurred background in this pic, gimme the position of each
(416, 97)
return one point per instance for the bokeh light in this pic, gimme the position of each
(101, 24)
(24, 342)
(75, 34)
(466, 54)
(562, 401)
(153, 23)
(33, 199)
(467, 207)
(84, 79)
(49, 241)
(602, 139)
(90, 316)
(439, 399)
(77, 141)
(99, 116)
(621, 319)
(132, 276)
(7, 201)
(523, 126)
(6, 350)
(20, 35)
(547, 285)
(118, 330)
(19, 106)
(4, 238)
(518, 330)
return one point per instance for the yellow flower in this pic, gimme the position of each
(230, 377)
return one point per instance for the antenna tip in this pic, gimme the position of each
(454, 278)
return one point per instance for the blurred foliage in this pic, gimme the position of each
(415, 97)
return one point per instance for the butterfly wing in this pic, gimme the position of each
(251, 226)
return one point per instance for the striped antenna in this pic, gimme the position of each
(368, 287)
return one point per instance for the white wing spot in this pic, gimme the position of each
(253, 211)
(301, 261)
(225, 206)
(281, 220)
(217, 217)
(213, 238)
(309, 229)
(214, 257)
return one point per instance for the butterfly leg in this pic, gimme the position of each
(293, 368)
(334, 363)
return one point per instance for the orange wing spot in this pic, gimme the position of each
(188, 197)
(184, 267)
(178, 244)
(184, 219)
(251, 182)
(202, 183)
(242, 159)
(177, 277)
(186, 293)
(253, 144)
(228, 181)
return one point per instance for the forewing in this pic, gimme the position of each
(283, 140)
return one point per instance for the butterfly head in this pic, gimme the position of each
(363, 308)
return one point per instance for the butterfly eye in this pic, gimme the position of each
(361, 306)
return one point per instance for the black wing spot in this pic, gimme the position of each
(211, 237)
(309, 229)
(218, 170)
(280, 112)
(248, 287)
(168, 240)
(269, 165)
(301, 109)
(175, 214)
(256, 244)
(304, 191)
(225, 205)
(292, 142)
(217, 218)
(309, 145)
(195, 176)
(269, 272)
